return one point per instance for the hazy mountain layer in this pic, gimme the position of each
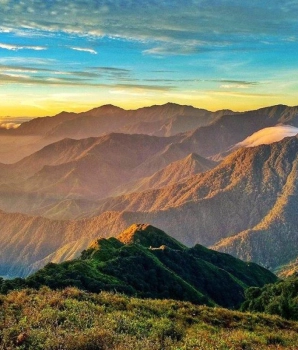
(250, 198)
(207, 133)
(164, 120)
(33, 135)
(62, 179)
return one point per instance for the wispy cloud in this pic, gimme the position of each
(197, 21)
(84, 49)
(21, 47)
(72, 81)
(238, 82)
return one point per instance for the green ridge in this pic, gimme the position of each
(145, 262)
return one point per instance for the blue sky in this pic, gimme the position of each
(75, 55)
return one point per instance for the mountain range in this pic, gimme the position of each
(69, 191)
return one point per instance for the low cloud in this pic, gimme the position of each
(269, 135)
(8, 125)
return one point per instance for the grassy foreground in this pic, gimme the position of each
(73, 319)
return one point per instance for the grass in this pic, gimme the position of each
(73, 319)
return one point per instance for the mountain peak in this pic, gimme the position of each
(108, 108)
(148, 236)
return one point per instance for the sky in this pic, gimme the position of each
(75, 55)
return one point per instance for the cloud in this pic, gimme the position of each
(237, 82)
(241, 94)
(189, 47)
(269, 135)
(193, 25)
(234, 86)
(83, 49)
(21, 47)
(72, 81)
(23, 69)
(111, 69)
(9, 125)
(144, 87)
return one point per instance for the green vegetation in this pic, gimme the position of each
(72, 319)
(280, 298)
(132, 265)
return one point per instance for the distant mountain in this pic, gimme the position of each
(206, 133)
(86, 169)
(175, 172)
(109, 118)
(34, 134)
(146, 262)
(92, 169)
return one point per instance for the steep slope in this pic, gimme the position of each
(234, 196)
(273, 241)
(136, 263)
(175, 172)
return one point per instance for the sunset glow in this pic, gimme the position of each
(212, 54)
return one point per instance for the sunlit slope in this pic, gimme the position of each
(173, 173)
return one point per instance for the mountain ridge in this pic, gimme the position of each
(144, 261)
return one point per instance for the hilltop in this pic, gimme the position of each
(144, 261)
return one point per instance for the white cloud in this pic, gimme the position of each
(236, 86)
(21, 47)
(269, 135)
(84, 49)
(213, 22)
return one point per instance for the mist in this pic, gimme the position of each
(269, 135)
